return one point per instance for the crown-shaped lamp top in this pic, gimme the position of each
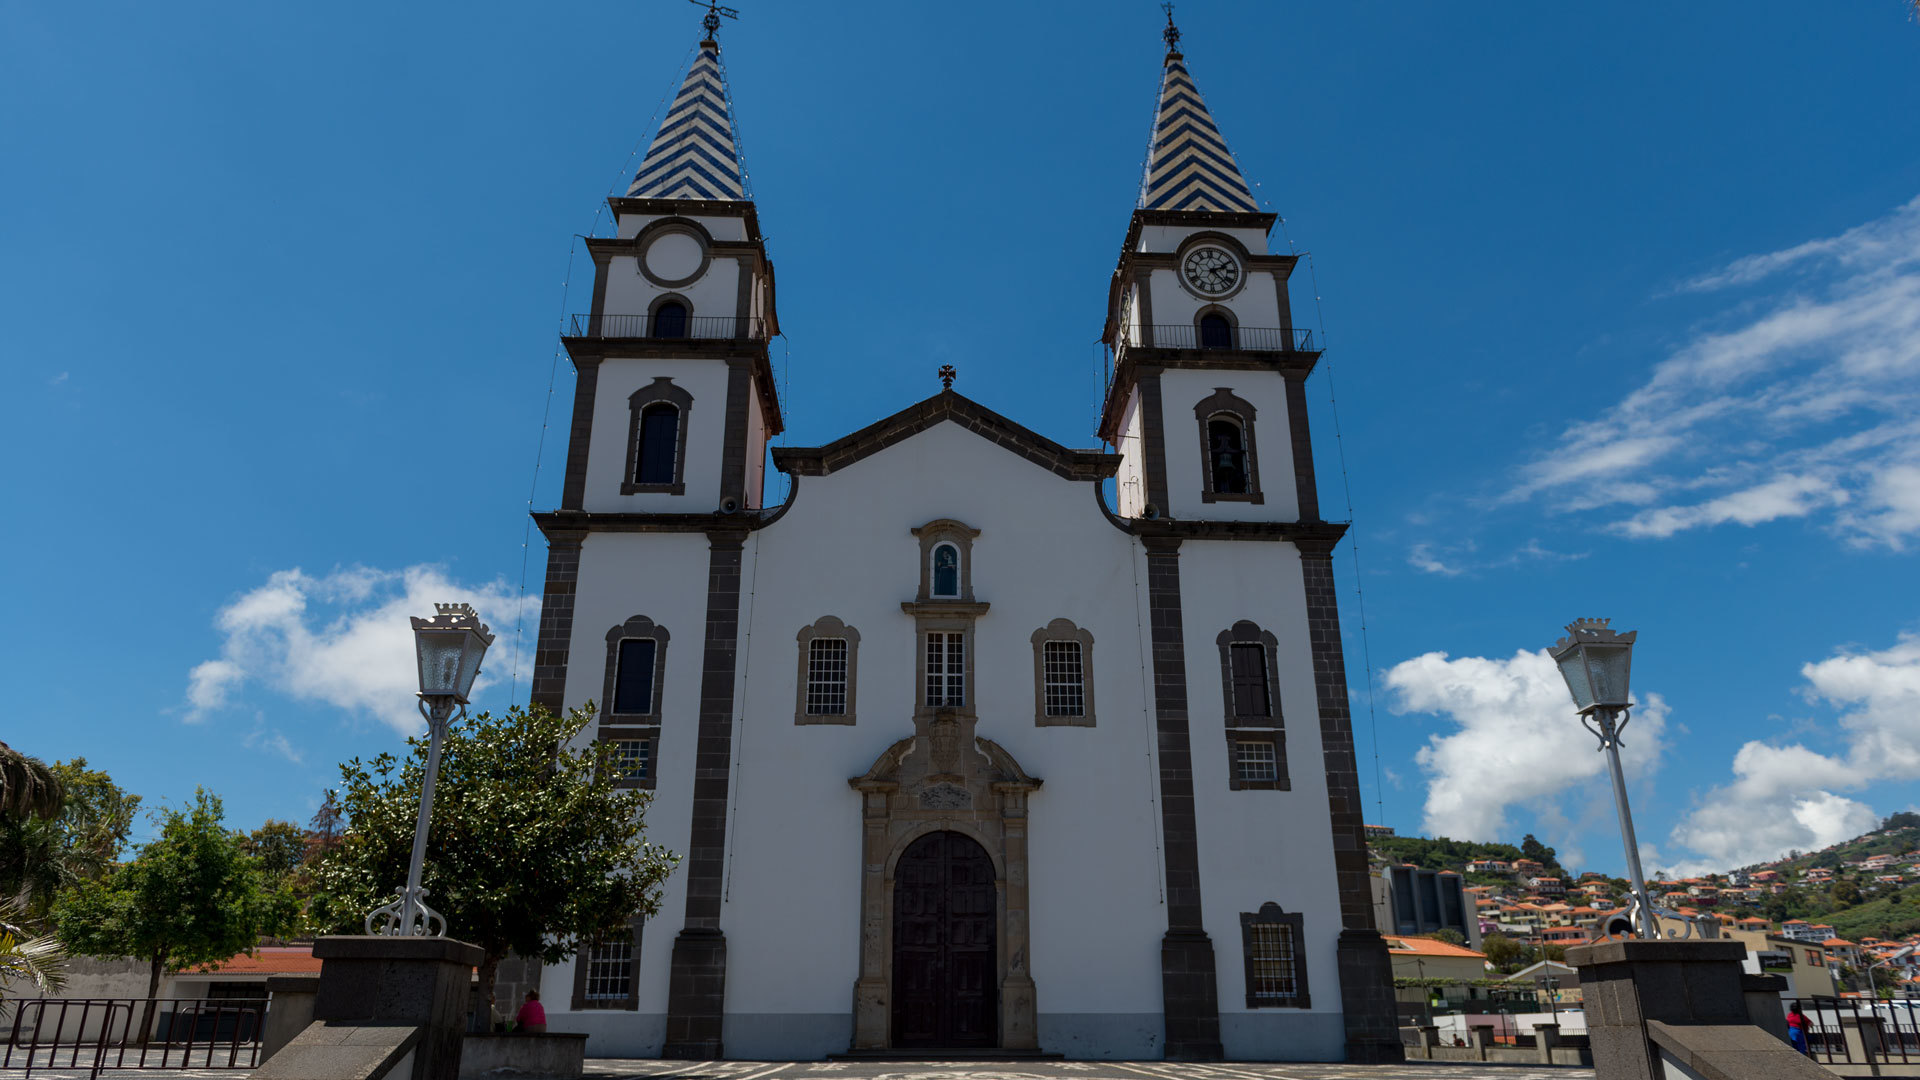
(1188, 164)
(695, 154)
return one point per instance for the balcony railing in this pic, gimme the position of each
(705, 327)
(1245, 338)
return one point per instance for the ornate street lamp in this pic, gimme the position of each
(1595, 661)
(449, 647)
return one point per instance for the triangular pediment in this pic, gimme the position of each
(946, 407)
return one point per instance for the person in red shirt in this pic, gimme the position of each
(532, 1017)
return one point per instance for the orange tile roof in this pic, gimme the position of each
(1426, 946)
(267, 960)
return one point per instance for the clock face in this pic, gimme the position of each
(1212, 271)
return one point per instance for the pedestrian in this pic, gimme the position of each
(532, 1017)
(1797, 1028)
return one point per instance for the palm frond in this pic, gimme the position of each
(28, 788)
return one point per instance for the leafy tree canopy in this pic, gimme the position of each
(280, 847)
(193, 896)
(1904, 819)
(41, 856)
(533, 849)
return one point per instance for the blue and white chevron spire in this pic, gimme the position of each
(694, 156)
(1188, 164)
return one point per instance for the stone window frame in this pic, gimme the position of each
(1227, 313)
(827, 626)
(661, 389)
(1224, 401)
(637, 627)
(1062, 630)
(658, 302)
(647, 734)
(944, 616)
(630, 1003)
(1272, 913)
(1269, 728)
(961, 536)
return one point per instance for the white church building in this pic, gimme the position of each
(960, 750)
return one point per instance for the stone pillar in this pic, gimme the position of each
(1019, 1026)
(1482, 1038)
(289, 1011)
(1429, 1038)
(872, 1008)
(1764, 1007)
(400, 981)
(1545, 1037)
(1628, 983)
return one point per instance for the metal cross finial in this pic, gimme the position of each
(712, 19)
(1171, 33)
(947, 375)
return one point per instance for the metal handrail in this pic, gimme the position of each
(698, 327)
(119, 1041)
(1242, 338)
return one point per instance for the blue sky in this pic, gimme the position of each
(1622, 305)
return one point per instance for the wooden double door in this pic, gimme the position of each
(945, 993)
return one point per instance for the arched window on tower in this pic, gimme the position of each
(946, 571)
(1227, 454)
(670, 320)
(659, 444)
(1215, 331)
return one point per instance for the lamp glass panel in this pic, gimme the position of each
(440, 660)
(471, 652)
(1573, 668)
(1607, 673)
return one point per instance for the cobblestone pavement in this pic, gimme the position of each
(617, 1069)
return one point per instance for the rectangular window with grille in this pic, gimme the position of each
(633, 759)
(1273, 959)
(827, 677)
(1250, 696)
(609, 972)
(633, 677)
(946, 669)
(1255, 762)
(1065, 678)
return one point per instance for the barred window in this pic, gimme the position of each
(633, 759)
(1274, 959)
(1065, 678)
(827, 677)
(946, 669)
(609, 972)
(1255, 761)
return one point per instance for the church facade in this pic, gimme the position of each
(976, 741)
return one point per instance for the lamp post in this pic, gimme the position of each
(1550, 986)
(1594, 660)
(1900, 953)
(448, 647)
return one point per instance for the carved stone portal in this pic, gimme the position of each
(943, 777)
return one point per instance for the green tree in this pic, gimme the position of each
(534, 849)
(1904, 819)
(28, 788)
(1846, 893)
(39, 857)
(1532, 848)
(1504, 953)
(1451, 936)
(192, 896)
(280, 846)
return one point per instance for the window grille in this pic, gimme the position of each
(1065, 678)
(1250, 694)
(609, 971)
(946, 669)
(633, 680)
(1255, 762)
(1274, 963)
(827, 677)
(633, 759)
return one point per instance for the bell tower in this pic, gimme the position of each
(675, 400)
(1207, 403)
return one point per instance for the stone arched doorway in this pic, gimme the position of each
(946, 911)
(944, 802)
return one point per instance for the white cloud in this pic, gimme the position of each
(1421, 557)
(1515, 739)
(1788, 797)
(340, 639)
(264, 738)
(1797, 403)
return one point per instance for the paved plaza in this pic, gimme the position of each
(619, 1069)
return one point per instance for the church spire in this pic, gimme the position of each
(1188, 164)
(695, 154)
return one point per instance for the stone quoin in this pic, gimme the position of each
(874, 737)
